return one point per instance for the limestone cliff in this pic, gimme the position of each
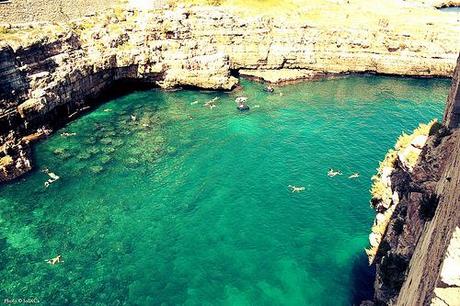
(412, 262)
(50, 73)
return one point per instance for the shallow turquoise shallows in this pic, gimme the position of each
(187, 205)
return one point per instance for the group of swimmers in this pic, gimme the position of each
(330, 173)
(240, 101)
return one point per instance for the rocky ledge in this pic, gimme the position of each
(416, 193)
(49, 73)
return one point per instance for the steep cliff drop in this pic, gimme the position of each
(417, 252)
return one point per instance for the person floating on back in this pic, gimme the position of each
(332, 172)
(354, 175)
(296, 189)
(55, 260)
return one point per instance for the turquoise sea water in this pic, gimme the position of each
(190, 206)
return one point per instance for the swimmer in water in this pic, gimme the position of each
(269, 89)
(55, 260)
(133, 118)
(354, 175)
(53, 177)
(211, 104)
(296, 189)
(65, 134)
(194, 102)
(332, 172)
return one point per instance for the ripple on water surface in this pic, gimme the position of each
(190, 205)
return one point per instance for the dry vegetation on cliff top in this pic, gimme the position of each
(334, 11)
(408, 17)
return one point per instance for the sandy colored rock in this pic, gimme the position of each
(450, 272)
(282, 75)
(419, 141)
(447, 297)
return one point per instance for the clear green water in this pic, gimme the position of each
(194, 208)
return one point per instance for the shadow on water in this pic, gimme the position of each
(362, 279)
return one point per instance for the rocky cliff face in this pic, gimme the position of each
(452, 113)
(412, 262)
(55, 75)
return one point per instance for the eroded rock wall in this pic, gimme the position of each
(452, 113)
(56, 75)
(423, 274)
(200, 46)
(419, 196)
(413, 248)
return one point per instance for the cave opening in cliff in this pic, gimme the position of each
(235, 73)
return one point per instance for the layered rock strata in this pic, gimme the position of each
(452, 113)
(50, 77)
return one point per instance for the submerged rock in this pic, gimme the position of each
(84, 156)
(108, 150)
(106, 140)
(90, 140)
(93, 150)
(96, 169)
(105, 159)
(133, 162)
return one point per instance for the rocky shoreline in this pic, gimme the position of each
(415, 194)
(50, 73)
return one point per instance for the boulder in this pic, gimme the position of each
(408, 157)
(374, 239)
(419, 141)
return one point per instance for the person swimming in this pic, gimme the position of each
(53, 177)
(354, 175)
(241, 103)
(332, 172)
(269, 89)
(65, 134)
(55, 260)
(295, 188)
(239, 100)
(211, 103)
